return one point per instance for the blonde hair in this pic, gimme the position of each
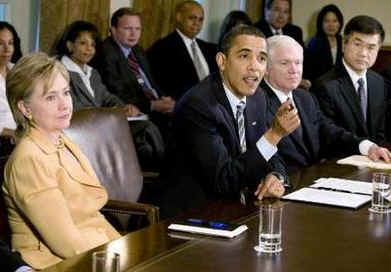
(22, 80)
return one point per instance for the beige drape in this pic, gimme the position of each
(57, 14)
(158, 19)
(254, 9)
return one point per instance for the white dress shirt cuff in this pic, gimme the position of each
(23, 269)
(364, 147)
(266, 149)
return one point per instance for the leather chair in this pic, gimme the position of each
(103, 135)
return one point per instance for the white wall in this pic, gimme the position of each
(304, 13)
(116, 4)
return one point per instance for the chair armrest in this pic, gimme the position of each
(124, 207)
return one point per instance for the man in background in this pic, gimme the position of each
(181, 60)
(351, 94)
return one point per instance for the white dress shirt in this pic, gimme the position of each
(85, 73)
(6, 118)
(266, 149)
(188, 43)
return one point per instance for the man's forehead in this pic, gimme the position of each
(249, 41)
(368, 38)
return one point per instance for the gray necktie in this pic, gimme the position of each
(362, 96)
(242, 131)
(197, 62)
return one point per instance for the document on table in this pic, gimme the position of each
(142, 117)
(334, 191)
(364, 161)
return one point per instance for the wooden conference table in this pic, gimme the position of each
(314, 238)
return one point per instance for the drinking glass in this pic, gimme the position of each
(270, 217)
(381, 193)
(105, 261)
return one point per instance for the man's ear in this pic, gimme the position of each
(221, 60)
(24, 109)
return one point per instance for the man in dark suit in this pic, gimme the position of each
(317, 135)
(125, 69)
(11, 261)
(190, 59)
(351, 95)
(276, 22)
(221, 149)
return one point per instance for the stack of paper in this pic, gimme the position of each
(334, 191)
(364, 161)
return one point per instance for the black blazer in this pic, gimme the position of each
(318, 58)
(320, 136)
(173, 67)
(339, 102)
(289, 29)
(82, 98)
(9, 261)
(207, 155)
(119, 78)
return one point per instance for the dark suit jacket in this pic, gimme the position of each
(9, 261)
(119, 78)
(82, 98)
(289, 29)
(318, 58)
(207, 155)
(339, 102)
(172, 65)
(320, 135)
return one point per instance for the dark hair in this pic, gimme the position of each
(122, 12)
(232, 19)
(181, 6)
(71, 33)
(228, 39)
(323, 12)
(269, 4)
(17, 51)
(365, 25)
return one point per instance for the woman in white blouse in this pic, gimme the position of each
(9, 53)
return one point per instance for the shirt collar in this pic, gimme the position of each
(274, 31)
(232, 99)
(354, 76)
(185, 39)
(73, 67)
(282, 96)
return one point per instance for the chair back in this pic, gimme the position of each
(104, 136)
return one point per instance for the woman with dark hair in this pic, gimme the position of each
(324, 50)
(75, 49)
(232, 19)
(9, 53)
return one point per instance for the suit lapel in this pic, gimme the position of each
(374, 101)
(79, 84)
(227, 111)
(351, 99)
(274, 104)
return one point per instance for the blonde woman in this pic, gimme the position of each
(53, 195)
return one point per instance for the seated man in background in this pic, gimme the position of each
(222, 143)
(11, 261)
(351, 95)
(189, 59)
(317, 137)
(276, 22)
(126, 73)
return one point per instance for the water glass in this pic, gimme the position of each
(270, 217)
(105, 261)
(381, 193)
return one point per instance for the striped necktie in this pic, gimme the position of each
(242, 131)
(135, 67)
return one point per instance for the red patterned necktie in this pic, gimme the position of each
(135, 67)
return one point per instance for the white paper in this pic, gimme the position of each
(328, 197)
(353, 186)
(364, 161)
(142, 117)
